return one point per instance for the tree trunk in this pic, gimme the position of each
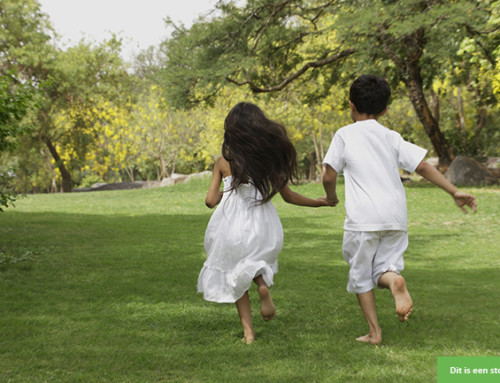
(480, 123)
(413, 82)
(409, 64)
(312, 167)
(461, 112)
(435, 106)
(319, 157)
(480, 120)
(65, 176)
(130, 173)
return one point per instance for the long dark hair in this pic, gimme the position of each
(258, 150)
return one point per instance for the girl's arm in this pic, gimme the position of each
(300, 200)
(214, 194)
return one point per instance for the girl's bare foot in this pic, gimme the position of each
(267, 308)
(370, 338)
(248, 338)
(245, 313)
(402, 298)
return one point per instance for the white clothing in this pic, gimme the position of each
(242, 241)
(371, 254)
(370, 156)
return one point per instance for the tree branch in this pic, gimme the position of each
(312, 64)
(474, 33)
(276, 9)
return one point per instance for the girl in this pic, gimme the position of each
(244, 235)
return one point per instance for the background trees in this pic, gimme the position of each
(69, 81)
(99, 119)
(268, 44)
(14, 102)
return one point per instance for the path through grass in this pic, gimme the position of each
(101, 287)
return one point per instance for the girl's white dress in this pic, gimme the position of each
(242, 241)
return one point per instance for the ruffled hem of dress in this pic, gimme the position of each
(229, 286)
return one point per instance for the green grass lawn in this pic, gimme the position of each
(101, 287)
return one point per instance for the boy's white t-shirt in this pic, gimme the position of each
(370, 156)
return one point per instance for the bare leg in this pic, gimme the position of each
(243, 306)
(396, 283)
(267, 308)
(367, 303)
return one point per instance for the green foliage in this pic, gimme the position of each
(15, 99)
(6, 196)
(90, 180)
(24, 34)
(96, 119)
(267, 45)
(257, 45)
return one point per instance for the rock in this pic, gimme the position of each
(173, 179)
(167, 182)
(205, 174)
(493, 163)
(119, 186)
(177, 178)
(465, 171)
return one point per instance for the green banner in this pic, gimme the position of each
(470, 369)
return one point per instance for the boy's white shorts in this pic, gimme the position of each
(370, 254)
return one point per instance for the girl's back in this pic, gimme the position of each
(243, 239)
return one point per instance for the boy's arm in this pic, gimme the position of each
(214, 195)
(330, 185)
(431, 174)
(298, 199)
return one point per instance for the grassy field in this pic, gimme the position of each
(101, 287)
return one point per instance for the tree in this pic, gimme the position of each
(79, 79)
(72, 79)
(15, 100)
(267, 44)
(410, 34)
(258, 46)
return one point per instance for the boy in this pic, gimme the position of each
(375, 228)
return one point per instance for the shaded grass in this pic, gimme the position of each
(110, 293)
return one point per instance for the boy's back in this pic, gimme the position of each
(370, 156)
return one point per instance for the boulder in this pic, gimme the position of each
(466, 171)
(173, 179)
(493, 164)
(205, 174)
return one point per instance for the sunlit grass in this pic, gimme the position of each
(101, 287)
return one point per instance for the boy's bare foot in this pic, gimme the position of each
(370, 338)
(267, 308)
(402, 298)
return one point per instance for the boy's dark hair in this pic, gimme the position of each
(258, 150)
(370, 94)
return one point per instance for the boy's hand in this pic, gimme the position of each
(331, 202)
(462, 199)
